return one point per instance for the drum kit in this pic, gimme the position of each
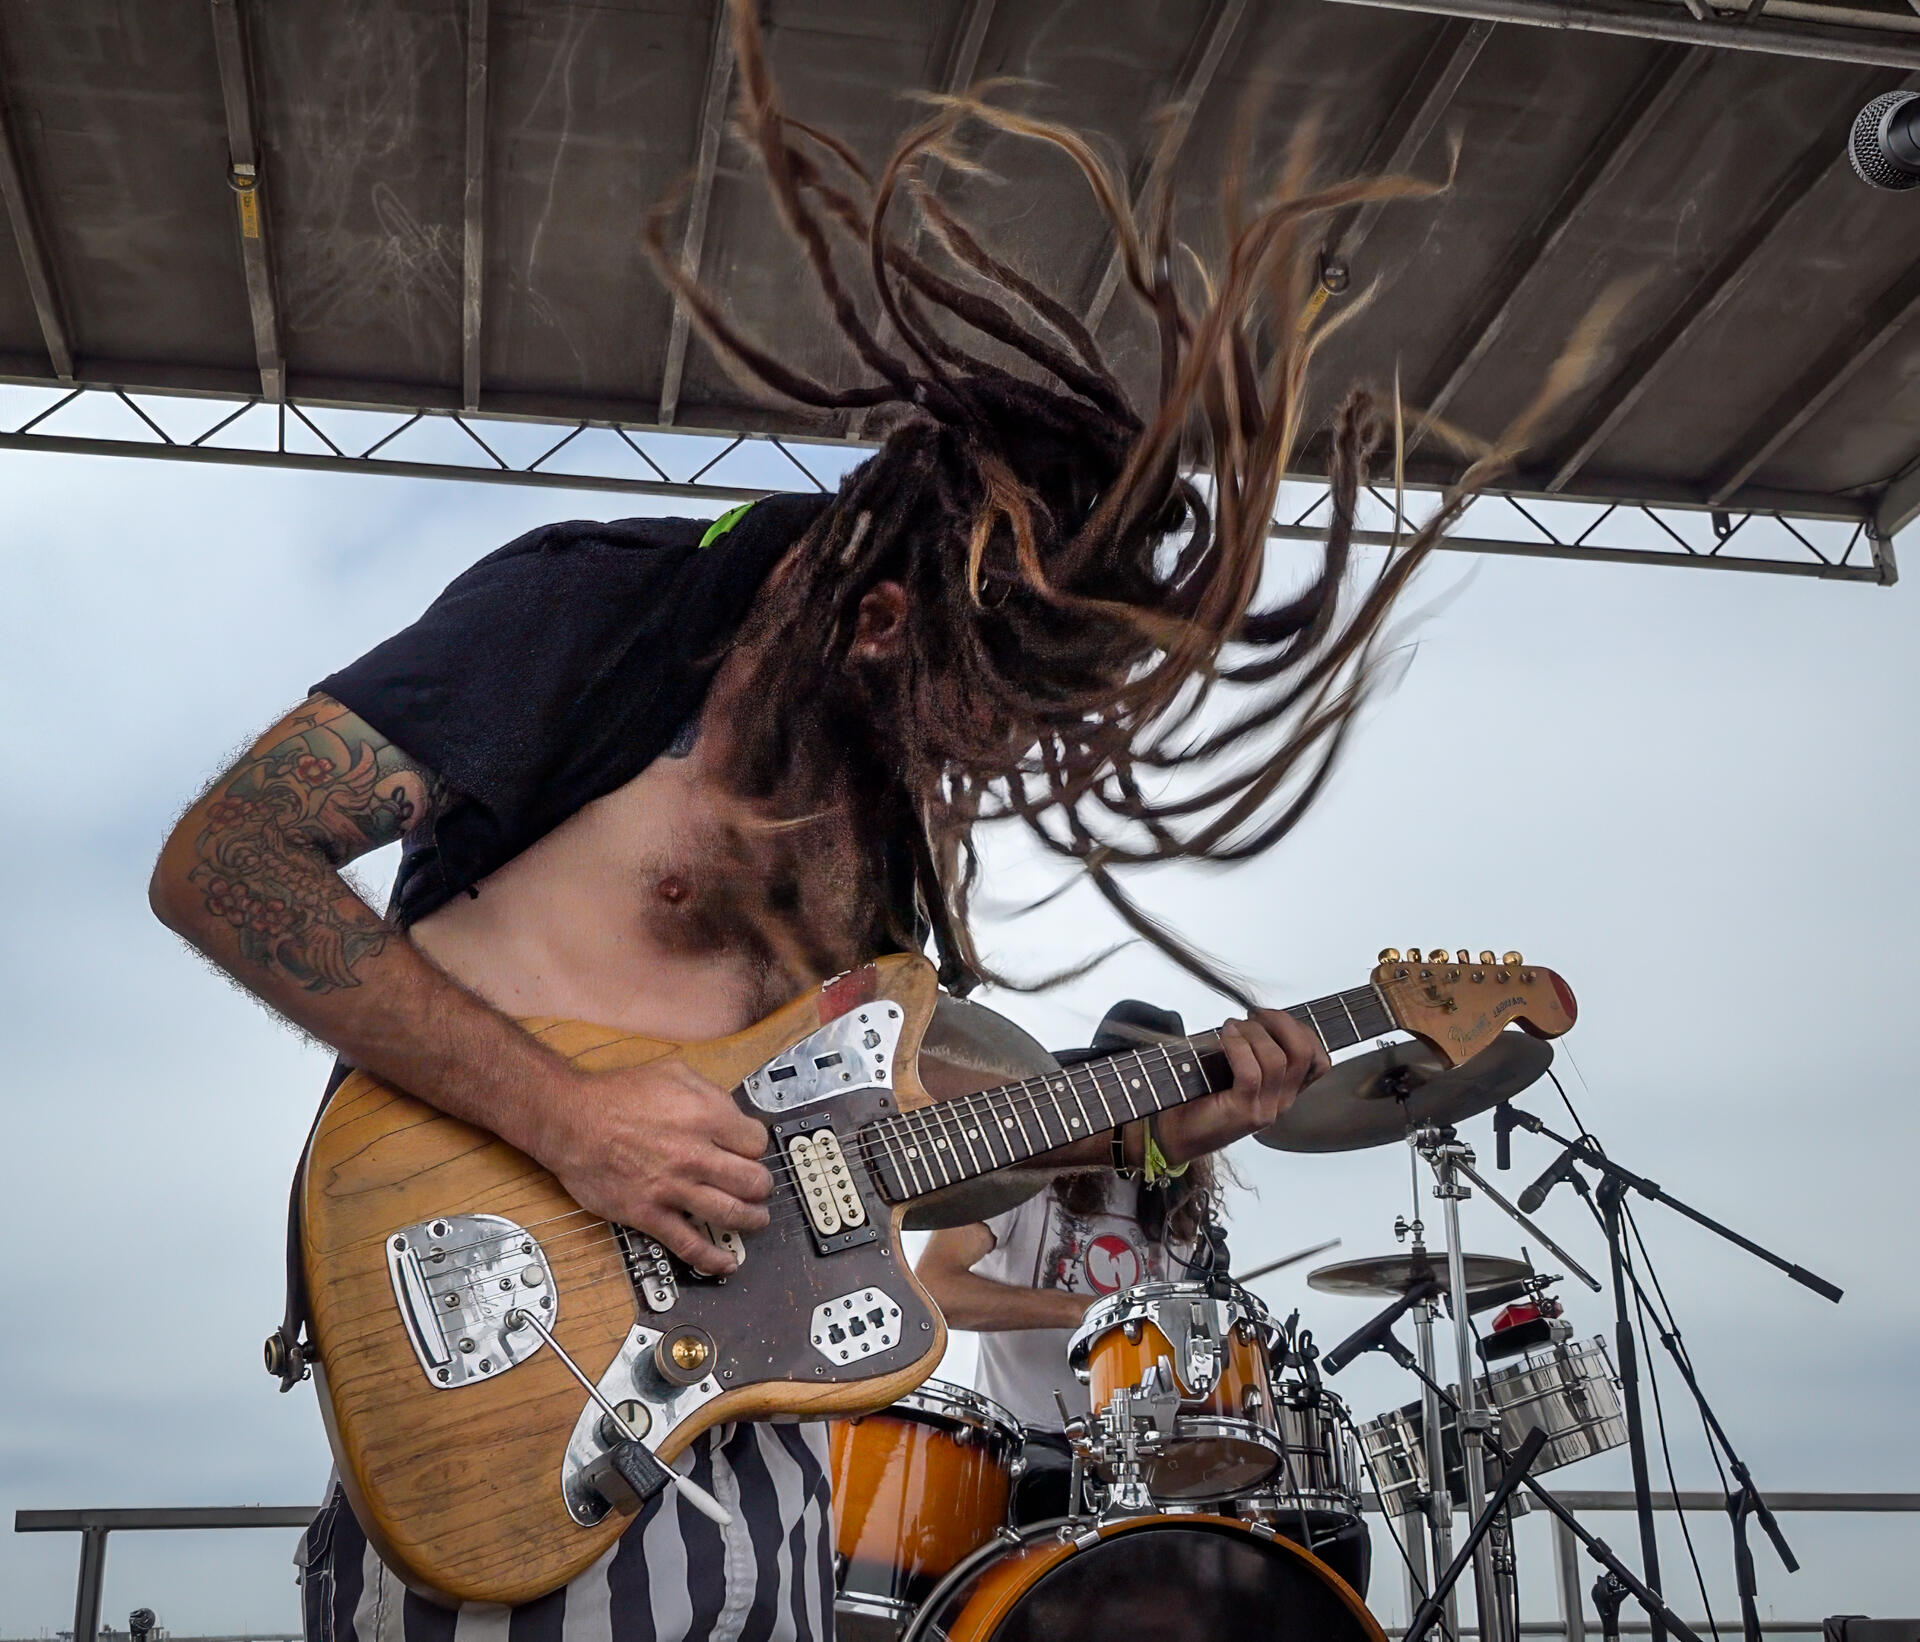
(1216, 1485)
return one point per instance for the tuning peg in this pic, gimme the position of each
(1486, 957)
(1462, 957)
(1389, 955)
(1413, 954)
(1510, 959)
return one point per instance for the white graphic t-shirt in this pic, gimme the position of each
(1039, 1245)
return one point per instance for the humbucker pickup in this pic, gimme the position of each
(827, 1183)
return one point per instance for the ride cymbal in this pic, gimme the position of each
(1492, 1279)
(1379, 1097)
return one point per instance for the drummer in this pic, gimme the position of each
(1025, 1278)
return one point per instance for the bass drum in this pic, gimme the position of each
(1175, 1578)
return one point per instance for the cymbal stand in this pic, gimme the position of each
(1438, 1506)
(1444, 1152)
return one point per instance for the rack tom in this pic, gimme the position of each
(917, 1488)
(1223, 1443)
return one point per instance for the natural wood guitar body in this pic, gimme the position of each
(457, 1488)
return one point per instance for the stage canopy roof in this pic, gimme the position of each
(405, 235)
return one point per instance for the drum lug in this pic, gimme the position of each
(1262, 1530)
(1084, 1540)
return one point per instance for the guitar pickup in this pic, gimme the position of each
(827, 1183)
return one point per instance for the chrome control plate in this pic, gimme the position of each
(630, 1379)
(862, 1324)
(853, 1052)
(455, 1279)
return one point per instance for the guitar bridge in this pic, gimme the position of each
(456, 1280)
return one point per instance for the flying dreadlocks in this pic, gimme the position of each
(1083, 652)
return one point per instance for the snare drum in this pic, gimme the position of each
(1318, 1478)
(1569, 1391)
(1223, 1443)
(917, 1488)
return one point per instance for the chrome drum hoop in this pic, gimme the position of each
(965, 1414)
(1168, 1306)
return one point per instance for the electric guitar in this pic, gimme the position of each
(506, 1379)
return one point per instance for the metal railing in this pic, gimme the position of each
(1572, 1578)
(94, 1526)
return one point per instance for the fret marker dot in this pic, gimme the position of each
(1185, 1067)
(1136, 1083)
(1006, 1123)
(1073, 1123)
(941, 1144)
(973, 1134)
(913, 1151)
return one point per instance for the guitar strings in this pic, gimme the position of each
(869, 1150)
(875, 1148)
(788, 1212)
(941, 1115)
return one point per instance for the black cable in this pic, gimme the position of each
(1641, 1309)
(1670, 1332)
(1386, 1513)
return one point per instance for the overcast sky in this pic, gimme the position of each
(1688, 792)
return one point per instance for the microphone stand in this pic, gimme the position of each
(1511, 1476)
(1655, 1605)
(1746, 1500)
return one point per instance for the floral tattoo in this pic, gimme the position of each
(285, 820)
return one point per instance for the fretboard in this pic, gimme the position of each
(917, 1152)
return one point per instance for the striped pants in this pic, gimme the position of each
(672, 1577)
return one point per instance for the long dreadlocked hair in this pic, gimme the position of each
(1083, 649)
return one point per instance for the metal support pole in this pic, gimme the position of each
(1416, 1575)
(93, 1575)
(1439, 1507)
(1566, 1566)
(1627, 1361)
(1472, 1420)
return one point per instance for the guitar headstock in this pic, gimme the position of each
(1460, 1003)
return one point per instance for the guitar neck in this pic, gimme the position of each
(949, 1141)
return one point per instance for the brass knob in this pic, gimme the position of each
(1462, 957)
(1511, 959)
(1486, 957)
(1389, 955)
(689, 1353)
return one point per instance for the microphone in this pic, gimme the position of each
(1371, 1334)
(1505, 1121)
(1884, 144)
(1536, 1194)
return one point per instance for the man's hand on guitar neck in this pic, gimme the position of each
(1273, 1058)
(251, 876)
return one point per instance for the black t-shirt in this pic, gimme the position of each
(553, 672)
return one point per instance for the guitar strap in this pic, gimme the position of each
(286, 1348)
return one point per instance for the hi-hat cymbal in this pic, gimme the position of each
(1492, 1279)
(1379, 1097)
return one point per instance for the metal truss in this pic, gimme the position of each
(650, 460)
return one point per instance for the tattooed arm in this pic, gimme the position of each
(251, 876)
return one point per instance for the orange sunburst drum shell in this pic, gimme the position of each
(918, 1487)
(1117, 1346)
(1186, 1578)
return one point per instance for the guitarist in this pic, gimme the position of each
(556, 762)
(663, 775)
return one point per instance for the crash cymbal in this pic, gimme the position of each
(1377, 1098)
(1492, 1279)
(969, 1047)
